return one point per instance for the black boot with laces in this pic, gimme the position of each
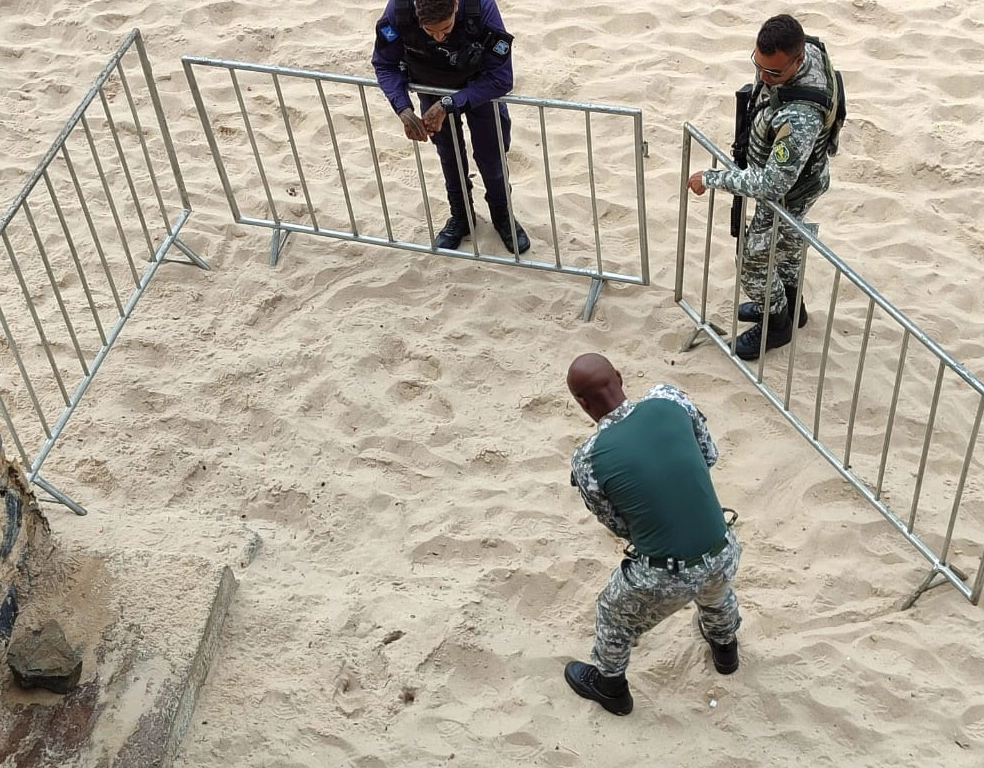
(748, 344)
(611, 692)
(503, 225)
(750, 312)
(724, 655)
(457, 227)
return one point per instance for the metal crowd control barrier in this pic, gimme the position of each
(72, 238)
(884, 404)
(297, 151)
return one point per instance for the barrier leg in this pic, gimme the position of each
(593, 292)
(692, 342)
(277, 244)
(927, 585)
(193, 257)
(58, 496)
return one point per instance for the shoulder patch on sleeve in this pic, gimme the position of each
(501, 47)
(389, 34)
(780, 152)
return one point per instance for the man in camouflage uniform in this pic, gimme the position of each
(644, 474)
(787, 164)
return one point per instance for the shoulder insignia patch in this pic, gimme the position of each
(388, 32)
(781, 152)
(501, 48)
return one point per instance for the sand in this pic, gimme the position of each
(396, 428)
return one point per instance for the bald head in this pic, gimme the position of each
(595, 384)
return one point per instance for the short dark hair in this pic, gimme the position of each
(434, 11)
(780, 33)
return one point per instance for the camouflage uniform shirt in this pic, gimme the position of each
(787, 156)
(654, 466)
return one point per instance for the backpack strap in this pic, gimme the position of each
(827, 100)
(816, 43)
(473, 18)
(404, 16)
(814, 95)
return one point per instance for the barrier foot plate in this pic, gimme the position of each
(193, 257)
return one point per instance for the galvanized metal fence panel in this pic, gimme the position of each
(881, 401)
(301, 151)
(79, 244)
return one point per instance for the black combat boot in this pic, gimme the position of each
(750, 312)
(457, 226)
(780, 334)
(500, 220)
(611, 692)
(724, 656)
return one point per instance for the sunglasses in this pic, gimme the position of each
(772, 72)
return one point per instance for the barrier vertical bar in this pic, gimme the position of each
(641, 149)
(96, 240)
(892, 410)
(213, 146)
(856, 396)
(79, 270)
(162, 126)
(111, 203)
(125, 166)
(375, 161)
(825, 356)
(293, 151)
(545, 153)
(338, 156)
(927, 441)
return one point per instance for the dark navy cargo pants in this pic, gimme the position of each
(485, 148)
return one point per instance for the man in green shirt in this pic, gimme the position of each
(645, 475)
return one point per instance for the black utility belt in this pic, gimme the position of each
(677, 564)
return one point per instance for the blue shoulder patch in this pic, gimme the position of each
(501, 48)
(388, 32)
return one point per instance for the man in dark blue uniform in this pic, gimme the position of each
(461, 46)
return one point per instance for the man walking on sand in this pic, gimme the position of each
(645, 475)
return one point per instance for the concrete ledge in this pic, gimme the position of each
(148, 624)
(23, 529)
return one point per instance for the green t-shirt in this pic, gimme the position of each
(653, 472)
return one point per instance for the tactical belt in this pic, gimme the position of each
(676, 564)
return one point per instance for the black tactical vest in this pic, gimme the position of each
(762, 136)
(448, 64)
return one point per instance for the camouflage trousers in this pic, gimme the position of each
(639, 596)
(789, 250)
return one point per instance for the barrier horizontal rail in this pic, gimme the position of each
(908, 413)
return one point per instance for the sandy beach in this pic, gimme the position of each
(396, 428)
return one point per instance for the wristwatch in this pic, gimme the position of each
(448, 103)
